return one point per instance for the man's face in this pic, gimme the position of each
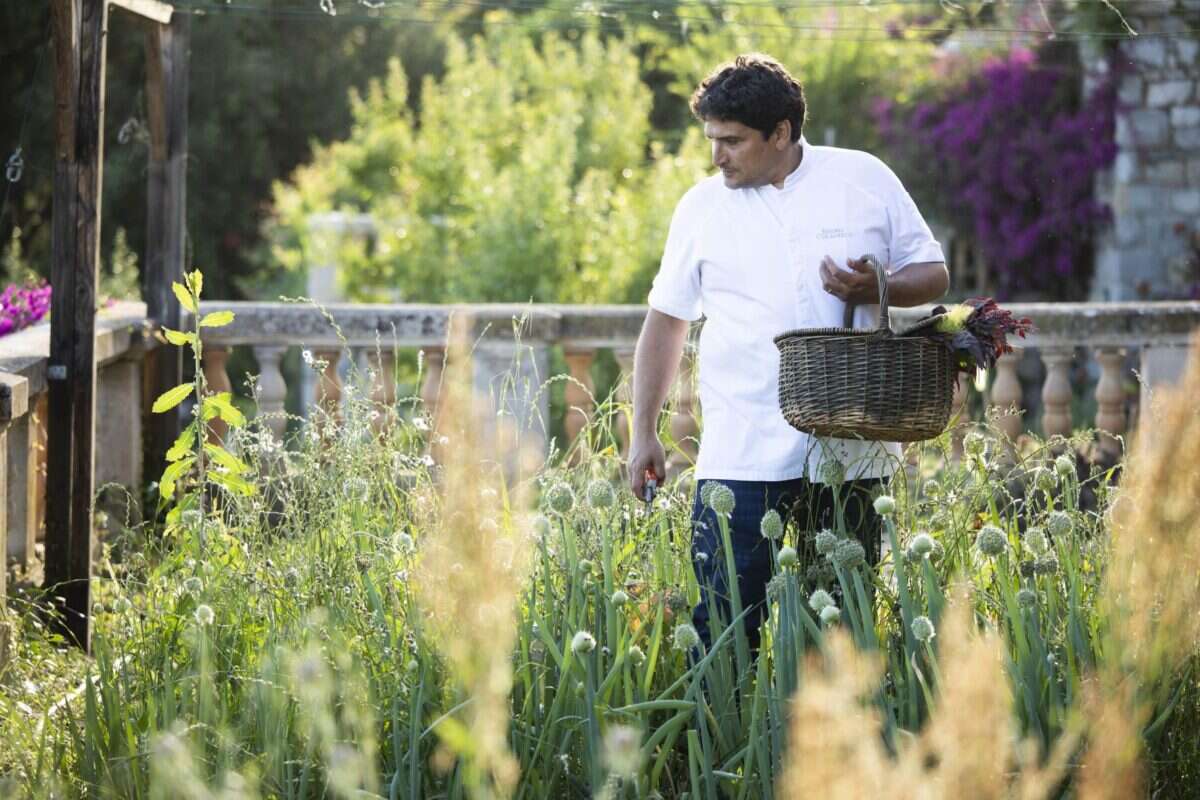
(744, 157)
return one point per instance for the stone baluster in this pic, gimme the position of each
(1006, 393)
(1056, 391)
(216, 377)
(381, 367)
(685, 430)
(434, 363)
(579, 394)
(624, 419)
(329, 385)
(14, 405)
(1110, 398)
(272, 390)
(22, 503)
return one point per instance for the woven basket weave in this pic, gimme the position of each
(858, 384)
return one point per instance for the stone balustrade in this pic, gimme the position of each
(1149, 336)
(1109, 342)
(122, 342)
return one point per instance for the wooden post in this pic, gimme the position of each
(166, 210)
(80, 31)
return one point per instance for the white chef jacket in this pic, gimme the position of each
(748, 262)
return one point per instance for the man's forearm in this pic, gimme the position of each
(918, 284)
(655, 363)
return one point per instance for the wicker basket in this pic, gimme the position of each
(870, 385)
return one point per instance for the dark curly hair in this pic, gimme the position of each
(755, 90)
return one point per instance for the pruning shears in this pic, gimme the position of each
(650, 489)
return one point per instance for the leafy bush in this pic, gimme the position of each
(529, 173)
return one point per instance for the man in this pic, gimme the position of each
(773, 243)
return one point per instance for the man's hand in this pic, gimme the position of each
(858, 287)
(646, 454)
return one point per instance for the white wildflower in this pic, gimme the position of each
(819, 600)
(788, 557)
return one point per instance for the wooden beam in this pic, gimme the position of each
(150, 9)
(80, 44)
(166, 217)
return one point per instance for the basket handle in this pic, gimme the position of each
(885, 322)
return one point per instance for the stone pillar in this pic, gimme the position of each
(1006, 393)
(21, 506)
(14, 404)
(271, 388)
(118, 453)
(1110, 397)
(1056, 391)
(216, 378)
(1152, 250)
(579, 393)
(511, 375)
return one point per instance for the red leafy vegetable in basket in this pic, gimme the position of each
(975, 331)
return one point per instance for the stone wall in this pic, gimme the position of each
(1154, 184)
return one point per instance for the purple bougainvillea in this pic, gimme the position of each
(1014, 153)
(22, 306)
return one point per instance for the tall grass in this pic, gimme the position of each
(383, 618)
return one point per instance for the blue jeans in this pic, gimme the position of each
(805, 507)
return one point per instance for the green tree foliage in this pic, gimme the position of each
(531, 172)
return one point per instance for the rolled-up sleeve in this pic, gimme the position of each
(676, 288)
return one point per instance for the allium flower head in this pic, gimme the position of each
(832, 472)
(1059, 524)
(193, 585)
(541, 526)
(706, 492)
(938, 551)
(921, 545)
(991, 541)
(685, 637)
(191, 518)
(404, 542)
(1027, 598)
(1046, 565)
(1036, 541)
(623, 750)
(1064, 466)
(975, 444)
(619, 598)
(583, 642)
(885, 505)
(922, 629)
(636, 656)
(122, 605)
(204, 615)
(1045, 480)
(931, 488)
(831, 615)
(788, 557)
(820, 600)
(560, 498)
(825, 542)
(775, 586)
(721, 499)
(600, 494)
(848, 554)
(771, 526)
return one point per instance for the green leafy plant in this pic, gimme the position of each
(194, 460)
